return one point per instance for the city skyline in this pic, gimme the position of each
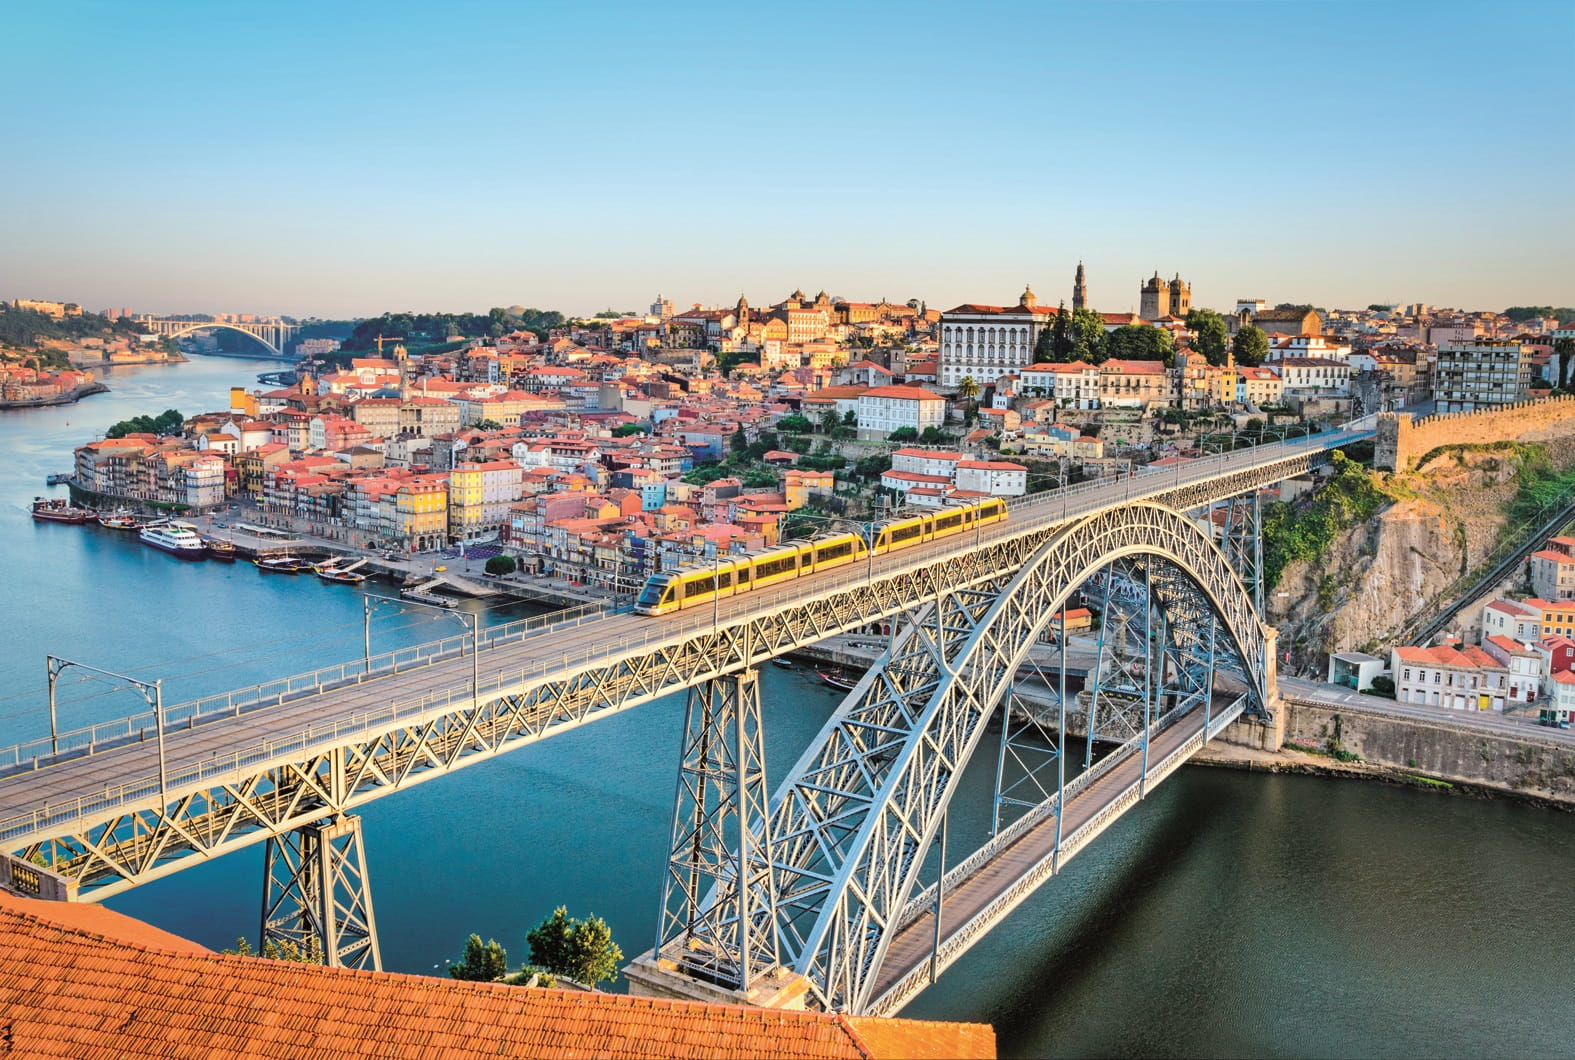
(324, 163)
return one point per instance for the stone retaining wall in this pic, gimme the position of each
(1402, 439)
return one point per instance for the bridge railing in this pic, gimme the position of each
(1044, 811)
(280, 691)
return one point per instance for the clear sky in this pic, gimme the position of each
(332, 158)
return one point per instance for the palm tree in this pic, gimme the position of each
(967, 388)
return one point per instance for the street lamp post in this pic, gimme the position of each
(369, 603)
(152, 691)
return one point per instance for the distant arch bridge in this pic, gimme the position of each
(272, 334)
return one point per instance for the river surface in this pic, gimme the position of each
(1230, 914)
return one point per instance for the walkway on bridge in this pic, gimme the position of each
(983, 889)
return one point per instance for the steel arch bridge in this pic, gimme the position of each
(289, 762)
(831, 866)
(271, 335)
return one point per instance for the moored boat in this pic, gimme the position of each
(120, 519)
(340, 577)
(280, 565)
(836, 679)
(784, 663)
(178, 539)
(57, 510)
(223, 551)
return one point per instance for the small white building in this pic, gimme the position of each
(1510, 618)
(1000, 478)
(1524, 663)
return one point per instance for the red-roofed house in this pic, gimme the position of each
(83, 980)
(1448, 677)
(1524, 664)
(1510, 618)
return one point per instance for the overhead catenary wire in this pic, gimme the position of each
(414, 620)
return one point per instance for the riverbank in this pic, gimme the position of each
(69, 398)
(1290, 761)
(1470, 755)
(154, 358)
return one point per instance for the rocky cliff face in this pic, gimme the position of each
(1377, 575)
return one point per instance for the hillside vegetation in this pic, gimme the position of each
(1349, 566)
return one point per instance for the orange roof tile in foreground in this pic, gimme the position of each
(81, 980)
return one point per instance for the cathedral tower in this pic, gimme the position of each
(1080, 289)
(1154, 298)
(1180, 297)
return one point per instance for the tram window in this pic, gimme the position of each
(906, 533)
(946, 522)
(776, 566)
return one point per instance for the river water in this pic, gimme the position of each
(1230, 914)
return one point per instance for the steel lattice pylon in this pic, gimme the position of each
(317, 896)
(719, 836)
(852, 822)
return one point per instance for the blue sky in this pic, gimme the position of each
(345, 158)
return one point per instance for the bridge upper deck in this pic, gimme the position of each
(55, 797)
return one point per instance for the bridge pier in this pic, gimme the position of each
(316, 895)
(718, 921)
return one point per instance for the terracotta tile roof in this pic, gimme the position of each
(84, 981)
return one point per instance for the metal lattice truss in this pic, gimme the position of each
(716, 840)
(851, 824)
(318, 902)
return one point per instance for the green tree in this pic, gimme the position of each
(1208, 334)
(903, 434)
(1140, 342)
(487, 425)
(593, 955)
(830, 421)
(798, 443)
(1250, 346)
(1061, 340)
(550, 941)
(164, 423)
(281, 950)
(873, 467)
(483, 962)
(624, 430)
(738, 442)
(1565, 348)
(794, 424)
(1088, 337)
(580, 950)
(968, 390)
(501, 565)
(934, 436)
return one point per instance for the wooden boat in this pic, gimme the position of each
(836, 679)
(46, 510)
(120, 519)
(281, 564)
(223, 551)
(340, 577)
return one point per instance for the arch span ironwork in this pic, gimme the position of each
(174, 329)
(850, 826)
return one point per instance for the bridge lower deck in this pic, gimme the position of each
(967, 900)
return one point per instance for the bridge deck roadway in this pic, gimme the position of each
(971, 897)
(36, 804)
